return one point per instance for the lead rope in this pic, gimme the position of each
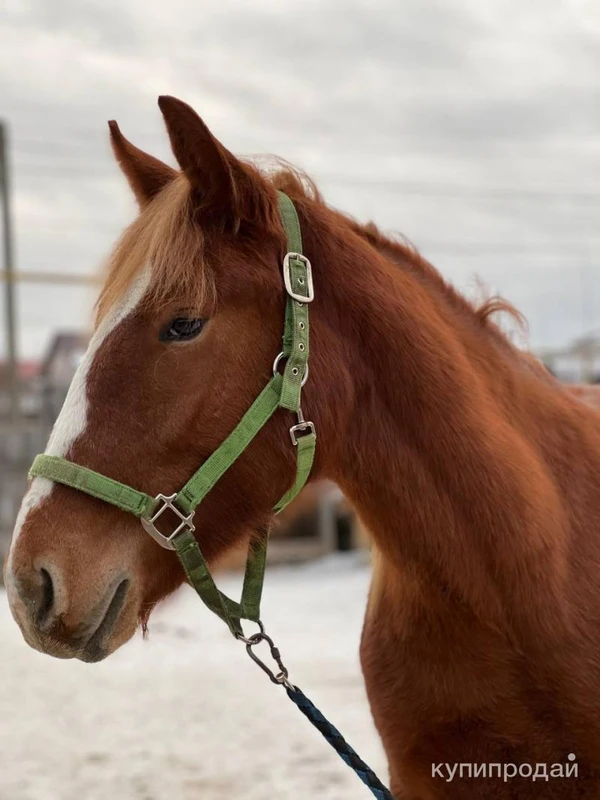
(348, 755)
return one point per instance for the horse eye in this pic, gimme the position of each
(182, 329)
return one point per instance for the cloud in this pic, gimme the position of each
(470, 127)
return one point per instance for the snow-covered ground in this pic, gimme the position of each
(186, 714)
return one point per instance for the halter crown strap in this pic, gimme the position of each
(282, 391)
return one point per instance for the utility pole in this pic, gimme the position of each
(12, 376)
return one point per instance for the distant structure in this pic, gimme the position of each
(66, 350)
(42, 389)
(28, 376)
(578, 362)
(18, 441)
(44, 384)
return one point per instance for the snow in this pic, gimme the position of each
(186, 714)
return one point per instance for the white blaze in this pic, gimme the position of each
(72, 420)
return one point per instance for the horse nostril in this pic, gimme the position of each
(46, 598)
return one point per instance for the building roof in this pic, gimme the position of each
(62, 342)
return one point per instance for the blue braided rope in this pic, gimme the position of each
(339, 744)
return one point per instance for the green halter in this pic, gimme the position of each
(282, 391)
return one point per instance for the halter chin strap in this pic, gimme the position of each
(282, 391)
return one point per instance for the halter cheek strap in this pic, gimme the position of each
(283, 391)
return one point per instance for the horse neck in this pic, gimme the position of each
(441, 440)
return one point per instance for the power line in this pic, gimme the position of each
(552, 194)
(79, 136)
(550, 247)
(453, 190)
(478, 249)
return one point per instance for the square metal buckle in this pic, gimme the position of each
(287, 277)
(185, 522)
(301, 426)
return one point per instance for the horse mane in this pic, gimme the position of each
(404, 251)
(164, 237)
(297, 184)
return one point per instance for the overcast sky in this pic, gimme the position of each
(470, 126)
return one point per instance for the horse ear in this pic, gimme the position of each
(210, 167)
(146, 174)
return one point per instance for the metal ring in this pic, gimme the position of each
(249, 640)
(278, 361)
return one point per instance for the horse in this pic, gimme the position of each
(474, 471)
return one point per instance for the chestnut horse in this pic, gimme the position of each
(475, 472)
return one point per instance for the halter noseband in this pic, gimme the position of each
(282, 391)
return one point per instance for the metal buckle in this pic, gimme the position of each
(185, 524)
(287, 278)
(302, 425)
(276, 367)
